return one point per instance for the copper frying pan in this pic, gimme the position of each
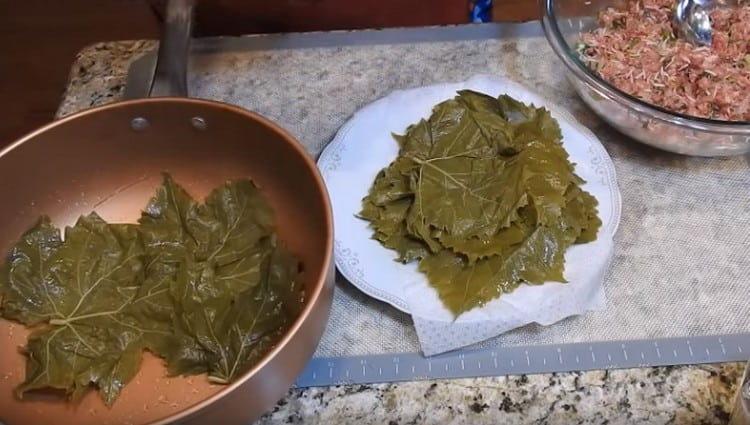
(109, 159)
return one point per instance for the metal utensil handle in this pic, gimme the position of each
(170, 76)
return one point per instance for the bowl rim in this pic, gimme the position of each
(582, 72)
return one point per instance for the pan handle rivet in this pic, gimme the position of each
(199, 123)
(139, 124)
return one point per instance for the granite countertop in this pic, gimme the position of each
(683, 394)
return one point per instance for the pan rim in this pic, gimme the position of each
(312, 170)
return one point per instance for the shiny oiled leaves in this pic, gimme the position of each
(205, 286)
(235, 289)
(88, 291)
(483, 195)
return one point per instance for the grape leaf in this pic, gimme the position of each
(226, 268)
(86, 296)
(206, 286)
(390, 228)
(514, 111)
(455, 133)
(477, 248)
(580, 215)
(26, 297)
(469, 197)
(486, 112)
(236, 331)
(484, 196)
(166, 225)
(463, 286)
(417, 141)
(166, 232)
(393, 182)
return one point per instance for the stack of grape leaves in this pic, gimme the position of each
(483, 196)
(205, 286)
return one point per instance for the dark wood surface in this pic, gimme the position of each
(516, 10)
(233, 17)
(39, 38)
(38, 42)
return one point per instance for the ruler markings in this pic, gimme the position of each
(525, 360)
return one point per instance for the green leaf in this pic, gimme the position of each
(580, 216)
(393, 182)
(26, 297)
(469, 197)
(234, 218)
(257, 319)
(72, 358)
(484, 196)
(166, 225)
(418, 139)
(229, 266)
(452, 121)
(87, 290)
(235, 313)
(390, 228)
(389, 218)
(206, 286)
(463, 286)
(514, 111)
(487, 114)
(477, 248)
(166, 229)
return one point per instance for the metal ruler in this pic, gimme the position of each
(368, 369)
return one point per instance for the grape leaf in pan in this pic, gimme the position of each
(86, 297)
(206, 286)
(237, 331)
(167, 239)
(230, 267)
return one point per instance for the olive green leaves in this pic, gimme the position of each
(205, 286)
(483, 195)
(234, 289)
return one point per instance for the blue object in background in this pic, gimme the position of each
(481, 11)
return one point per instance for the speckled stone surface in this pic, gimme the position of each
(98, 74)
(672, 395)
(679, 395)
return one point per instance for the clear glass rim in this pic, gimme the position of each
(582, 72)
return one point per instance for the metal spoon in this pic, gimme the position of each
(692, 21)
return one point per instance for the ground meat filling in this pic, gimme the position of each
(636, 50)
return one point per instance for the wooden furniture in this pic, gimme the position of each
(228, 17)
(39, 38)
(231, 17)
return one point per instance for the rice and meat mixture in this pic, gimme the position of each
(636, 50)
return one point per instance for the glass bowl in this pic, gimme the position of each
(563, 22)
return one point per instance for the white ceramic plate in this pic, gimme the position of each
(364, 145)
